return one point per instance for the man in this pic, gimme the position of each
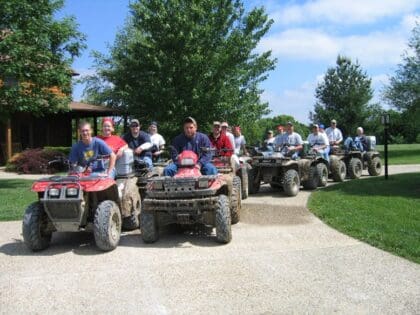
(280, 129)
(269, 141)
(239, 140)
(191, 140)
(220, 141)
(139, 141)
(157, 141)
(323, 133)
(226, 131)
(291, 141)
(335, 137)
(116, 144)
(318, 142)
(359, 142)
(85, 152)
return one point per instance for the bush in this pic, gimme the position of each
(398, 139)
(35, 161)
(418, 138)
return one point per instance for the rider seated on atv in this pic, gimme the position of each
(191, 140)
(359, 143)
(220, 141)
(319, 142)
(157, 141)
(290, 142)
(116, 144)
(86, 151)
(139, 141)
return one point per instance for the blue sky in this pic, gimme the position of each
(306, 38)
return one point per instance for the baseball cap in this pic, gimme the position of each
(190, 120)
(333, 121)
(289, 123)
(270, 131)
(216, 123)
(315, 126)
(321, 126)
(108, 119)
(153, 123)
(225, 124)
(134, 122)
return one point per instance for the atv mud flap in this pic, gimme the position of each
(183, 211)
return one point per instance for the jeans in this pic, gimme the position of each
(206, 169)
(147, 160)
(351, 144)
(101, 173)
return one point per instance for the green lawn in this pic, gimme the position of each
(401, 153)
(385, 214)
(15, 196)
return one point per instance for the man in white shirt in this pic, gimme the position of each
(225, 130)
(291, 141)
(157, 141)
(269, 141)
(240, 142)
(318, 142)
(335, 137)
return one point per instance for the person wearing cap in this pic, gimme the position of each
(269, 141)
(220, 141)
(226, 131)
(290, 142)
(240, 142)
(116, 144)
(139, 141)
(157, 141)
(191, 140)
(318, 142)
(86, 151)
(335, 137)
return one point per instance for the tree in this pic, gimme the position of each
(36, 52)
(183, 58)
(403, 91)
(344, 95)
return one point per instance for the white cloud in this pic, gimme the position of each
(343, 11)
(84, 72)
(376, 48)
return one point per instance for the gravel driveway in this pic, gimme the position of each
(282, 259)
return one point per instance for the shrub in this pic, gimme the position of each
(35, 161)
(418, 138)
(398, 139)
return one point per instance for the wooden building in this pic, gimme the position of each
(23, 130)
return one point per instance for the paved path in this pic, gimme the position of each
(282, 259)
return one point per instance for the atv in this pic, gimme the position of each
(353, 161)
(81, 201)
(189, 198)
(313, 168)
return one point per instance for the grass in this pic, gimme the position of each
(385, 214)
(401, 153)
(15, 196)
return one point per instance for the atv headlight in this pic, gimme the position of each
(203, 183)
(158, 185)
(54, 192)
(72, 192)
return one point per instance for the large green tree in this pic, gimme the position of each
(344, 95)
(186, 57)
(36, 53)
(403, 91)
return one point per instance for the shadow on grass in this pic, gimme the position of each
(15, 183)
(399, 185)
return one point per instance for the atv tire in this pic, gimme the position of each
(148, 227)
(244, 183)
(107, 225)
(223, 223)
(131, 223)
(338, 171)
(313, 180)
(291, 183)
(253, 183)
(355, 168)
(34, 227)
(375, 166)
(235, 200)
(322, 171)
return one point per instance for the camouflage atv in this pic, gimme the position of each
(80, 201)
(189, 199)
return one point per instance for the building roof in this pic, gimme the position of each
(94, 109)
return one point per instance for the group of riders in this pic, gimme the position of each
(148, 146)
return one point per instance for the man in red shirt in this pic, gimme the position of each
(220, 141)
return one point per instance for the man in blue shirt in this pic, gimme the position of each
(139, 141)
(191, 140)
(86, 151)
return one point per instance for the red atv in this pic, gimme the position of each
(80, 201)
(188, 198)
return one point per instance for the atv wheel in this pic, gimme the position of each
(34, 227)
(338, 171)
(355, 168)
(253, 183)
(133, 221)
(244, 183)
(322, 171)
(107, 225)
(148, 227)
(291, 183)
(235, 201)
(313, 180)
(375, 166)
(223, 227)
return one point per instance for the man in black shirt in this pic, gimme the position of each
(139, 141)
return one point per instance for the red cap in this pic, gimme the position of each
(108, 119)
